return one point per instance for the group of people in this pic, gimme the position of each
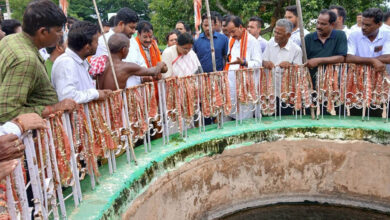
(77, 68)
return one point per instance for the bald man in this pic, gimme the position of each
(119, 47)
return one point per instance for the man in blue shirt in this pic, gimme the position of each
(203, 50)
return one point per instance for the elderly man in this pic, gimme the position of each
(254, 27)
(202, 46)
(292, 15)
(341, 14)
(125, 22)
(326, 45)
(70, 75)
(24, 84)
(371, 45)
(119, 48)
(244, 52)
(281, 52)
(146, 48)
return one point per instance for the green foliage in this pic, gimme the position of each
(84, 10)
(165, 13)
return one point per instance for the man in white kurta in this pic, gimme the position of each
(252, 59)
(281, 51)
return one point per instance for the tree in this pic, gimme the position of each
(165, 13)
(84, 10)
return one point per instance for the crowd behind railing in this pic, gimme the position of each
(73, 143)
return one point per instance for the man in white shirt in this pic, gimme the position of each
(70, 75)
(371, 45)
(254, 27)
(292, 15)
(125, 22)
(358, 25)
(247, 56)
(281, 52)
(341, 16)
(386, 21)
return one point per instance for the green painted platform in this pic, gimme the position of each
(114, 192)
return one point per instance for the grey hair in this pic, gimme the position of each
(286, 24)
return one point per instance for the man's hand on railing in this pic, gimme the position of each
(312, 63)
(7, 167)
(104, 94)
(238, 61)
(284, 65)
(65, 105)
(10, 147)
(268, 64)
(163, 67)
(378, 65)
(29, 121)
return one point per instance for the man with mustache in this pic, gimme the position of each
(146, 48)
(326, 45)
(370, 46)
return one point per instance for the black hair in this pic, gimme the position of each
(225, 18)
(260, 21)
(332, 15)
(117, 42)
(170, 33)
(9, 25)
(236, 21)
(217, 15)
(213, 17)
(50, 50)
(292, 9)
(40, 14)
(340, 11)
(184, 39)
(375, 13)
(70, 21)
(360, 13)
(386, 16)
(80, 34)
(112, 21)
(106, 24)
(144, 26)
(186, 26)
(126, 15)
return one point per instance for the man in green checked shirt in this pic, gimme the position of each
(24, 84)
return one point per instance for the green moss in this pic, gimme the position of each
(130, 181)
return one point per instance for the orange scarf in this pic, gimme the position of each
(243, 48)
(154, 52)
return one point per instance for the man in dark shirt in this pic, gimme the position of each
(203, 50)
(326, 45)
